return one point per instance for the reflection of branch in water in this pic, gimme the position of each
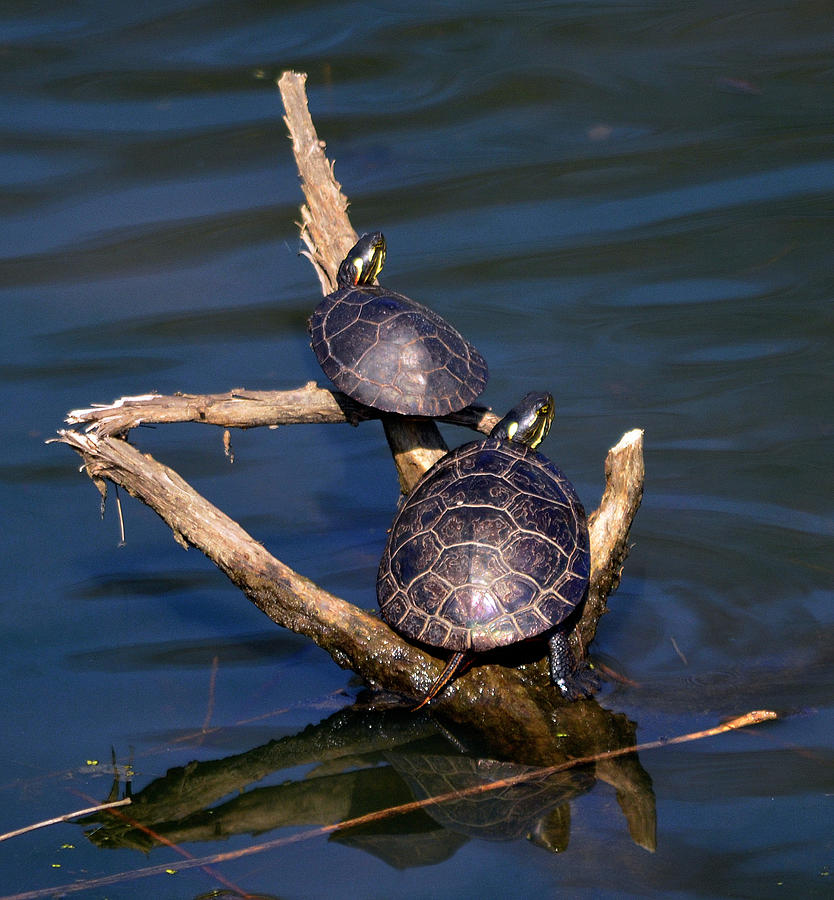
(517, 796)
(548, 834)
(329, 743)
(348, 784)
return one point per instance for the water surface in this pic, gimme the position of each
(627, 205)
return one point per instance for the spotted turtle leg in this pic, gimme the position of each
(443, 679)
(574, 681)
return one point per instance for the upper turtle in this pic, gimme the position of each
(387, 351)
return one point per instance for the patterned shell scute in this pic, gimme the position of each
(490, 548)
(390, 352)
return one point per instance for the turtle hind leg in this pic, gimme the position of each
(574, 680)
(443, 679)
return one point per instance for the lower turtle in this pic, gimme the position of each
(489, 549)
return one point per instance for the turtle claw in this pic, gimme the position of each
(582, 683)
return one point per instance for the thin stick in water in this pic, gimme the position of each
(65, 818)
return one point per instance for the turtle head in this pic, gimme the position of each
(528, 422)
(364, 262)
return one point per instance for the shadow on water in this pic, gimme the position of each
(200, 654)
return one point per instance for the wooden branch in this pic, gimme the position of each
(241, 408)
(67, 817)
(328, 234)
(490, 696)
(609, 527)
(325, 227)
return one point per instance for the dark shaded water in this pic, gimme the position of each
(628, 205)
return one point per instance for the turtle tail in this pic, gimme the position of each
(443, 679)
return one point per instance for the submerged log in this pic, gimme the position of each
(518, 700)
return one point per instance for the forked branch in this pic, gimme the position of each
(354, 638)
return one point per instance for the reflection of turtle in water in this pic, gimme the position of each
(388, 351)
(491, 548)
(532, 805)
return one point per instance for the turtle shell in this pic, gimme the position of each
(390, 352)
(490, 548)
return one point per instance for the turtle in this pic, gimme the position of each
(387, 351)
(490, 799)
(490, 548)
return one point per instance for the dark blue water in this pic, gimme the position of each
(630, 206)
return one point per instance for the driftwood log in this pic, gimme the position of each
(515, 698)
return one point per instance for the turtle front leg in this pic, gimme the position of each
(573, 680)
